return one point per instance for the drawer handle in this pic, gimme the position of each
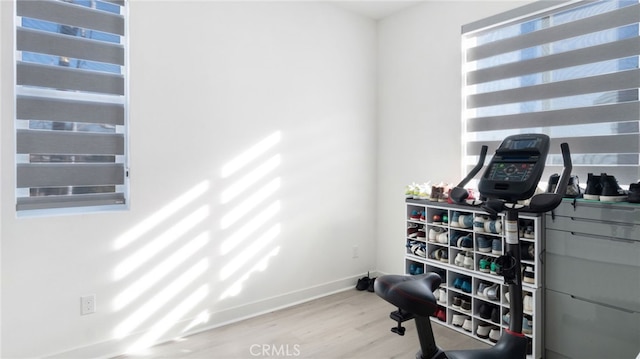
(604, 304)
(599, 221)
(623, 240)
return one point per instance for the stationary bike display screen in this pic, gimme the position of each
(516, 167)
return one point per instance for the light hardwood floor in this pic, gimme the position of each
(349, 324)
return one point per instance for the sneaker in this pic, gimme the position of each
(442, 296)
(465, 221)
(553, 183)
(458, 320)
(478, 223)
(435, 193)
(443, 237)
(529, 233)
(528, 302)
(611, 191)
(465, 243)
(441, 314)
(485, 311)
(527, 251)
(529, 275)
(453, 238)
(412, 230)
(457, 302)
(408, 191)
(466, 286)
(483, 330)
(363, 283)
(415, 215)
(484, 265)
(465, 306)
(573, 188)
(481, 287)
(435, 254)
(634, 193)
(468, 261)
(496, 246)
(457, 283)
(506, 318)
(494, 334)
(467, 325)
(495, 268)
(434, 232)
(459, 260)
(594, 187)
(455, 217)
(527, 326)
(492, 292)
(495, 315)
(484, 244)
(444, 256)
(371, 285)
(422, 233)
(493, 226)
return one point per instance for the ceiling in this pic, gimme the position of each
(376, 9)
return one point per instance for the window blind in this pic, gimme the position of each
(71, 98)
(568, 69)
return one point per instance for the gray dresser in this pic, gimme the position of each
(592, 281)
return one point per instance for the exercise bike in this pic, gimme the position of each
(511, 176)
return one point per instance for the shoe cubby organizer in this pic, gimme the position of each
(461, 243)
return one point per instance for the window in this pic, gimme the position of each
(71, 104)
(570, 71)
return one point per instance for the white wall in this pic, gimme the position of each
(209, 80)
(419, 108)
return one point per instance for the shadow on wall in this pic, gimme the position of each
(170, 272)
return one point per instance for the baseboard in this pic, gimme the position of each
(114, 347)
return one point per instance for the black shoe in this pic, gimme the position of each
(371, 282)
(634, 193)
(611, 191)
(573, 188)
(553, 183)
(363, 283)
(594, 187)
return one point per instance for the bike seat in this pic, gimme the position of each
(412, 293)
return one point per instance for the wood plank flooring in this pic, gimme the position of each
(349, 324)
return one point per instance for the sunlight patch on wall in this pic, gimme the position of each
(250, 203)
(260, 266)
(250, 179)
(159, 300)
(159, 243)
(249, 252)
(251, 219)
(251, 154)
(250, 228)
(172, 318)
(161, 215)
(160, 271)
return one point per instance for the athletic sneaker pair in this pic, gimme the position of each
(604, 188)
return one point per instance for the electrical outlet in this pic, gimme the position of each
(88, 304)
(354, 253)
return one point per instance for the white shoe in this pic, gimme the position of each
(468, 261)
(442, 298)
(494, 335)
(458, 320)
(528, 303)
(459, 261)
(467, 325)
